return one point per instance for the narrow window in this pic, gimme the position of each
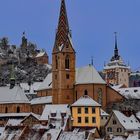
(114, 122)
(79, 119)
(119, 130)
(109, 129)
(6, 110)
(86, 119)
(76, 95)
(85, 92)
(93, 109)
(93, 120)
(86, 110)
(79, 110)
(67, 65)
(56, 61)
(18, 109)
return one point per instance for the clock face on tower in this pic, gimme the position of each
(111, 75)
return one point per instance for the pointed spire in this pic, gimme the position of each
(63, 26)
(116, 53)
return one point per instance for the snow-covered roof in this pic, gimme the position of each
(47, 83)
(103, 113)
(133, 137)
(88, 74)
(58, 109)
(85, 101)
(138, 114)
(33, 88)
(42, 100)
(37, 116)
(72, 136)
(116, 87)
(14, 122)
(116, 64)
(14, 95)
(130, 93)
(129, 123)
(13, 115)
(40, 54)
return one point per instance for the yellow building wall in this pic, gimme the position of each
(75, 116)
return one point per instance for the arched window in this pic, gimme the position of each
(85, 92)
(18, 109)
(100, 96)
(56, 61)
(6, 110)
(67, 62)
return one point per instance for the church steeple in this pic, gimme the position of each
(63, 61)
(63, 31)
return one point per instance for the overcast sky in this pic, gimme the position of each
(93, 23)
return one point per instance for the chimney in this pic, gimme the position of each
(49, 136)
(12, 83)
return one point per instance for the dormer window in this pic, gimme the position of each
(53, 114)
(63, 114)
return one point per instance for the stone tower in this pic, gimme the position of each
(116, 72)
(63, 61)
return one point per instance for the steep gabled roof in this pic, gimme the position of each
(15, 95)
(88, 75)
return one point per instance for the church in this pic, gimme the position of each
(67, 83)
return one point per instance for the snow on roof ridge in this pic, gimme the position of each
(85, 100)
(88, 74)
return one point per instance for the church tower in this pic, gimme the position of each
(63, 61)
(116, 72)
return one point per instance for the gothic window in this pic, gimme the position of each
(56, 61)
(100, 96)
(67, 62)
(6, 110)
(18, 109)
(85, 92)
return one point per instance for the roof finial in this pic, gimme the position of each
(116, 45)
(116, 54)
(92, 60)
